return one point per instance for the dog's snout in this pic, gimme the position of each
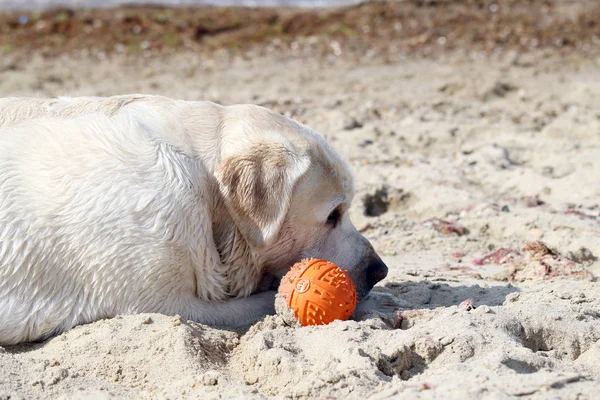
(376, 271)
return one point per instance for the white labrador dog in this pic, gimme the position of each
(135, 204)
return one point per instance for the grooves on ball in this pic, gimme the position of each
(318, 292)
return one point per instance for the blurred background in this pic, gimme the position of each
(379, 29)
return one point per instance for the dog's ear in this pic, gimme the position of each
(257, 185)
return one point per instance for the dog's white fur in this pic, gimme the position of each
(133, 204)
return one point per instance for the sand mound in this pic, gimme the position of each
(134, 353)
(537, 340)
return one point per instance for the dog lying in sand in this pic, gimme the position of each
(134, 204)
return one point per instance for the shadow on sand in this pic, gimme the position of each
(427, 294)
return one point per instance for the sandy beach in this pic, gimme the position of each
(476, 178)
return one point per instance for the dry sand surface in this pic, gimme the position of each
(477, 181)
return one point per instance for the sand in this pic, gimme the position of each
(477, 181)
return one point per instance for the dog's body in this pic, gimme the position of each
(146, 204)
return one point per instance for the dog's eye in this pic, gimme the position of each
(334, 217)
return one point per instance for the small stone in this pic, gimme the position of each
(147, 321)
(405, 375)
(352, 123)
(210, 378)
(445, 341)
(512, 297)
(466, 305)
(483, 309)
(581, 256)
(251, 380)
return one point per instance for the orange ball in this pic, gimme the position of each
(318, 292)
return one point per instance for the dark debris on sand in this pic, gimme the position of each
(377, 29)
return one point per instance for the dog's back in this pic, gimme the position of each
(14, 110)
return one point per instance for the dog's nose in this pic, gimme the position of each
(376, 271)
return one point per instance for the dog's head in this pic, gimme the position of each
(289, 194)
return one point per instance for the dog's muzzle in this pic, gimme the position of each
(376, 271)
